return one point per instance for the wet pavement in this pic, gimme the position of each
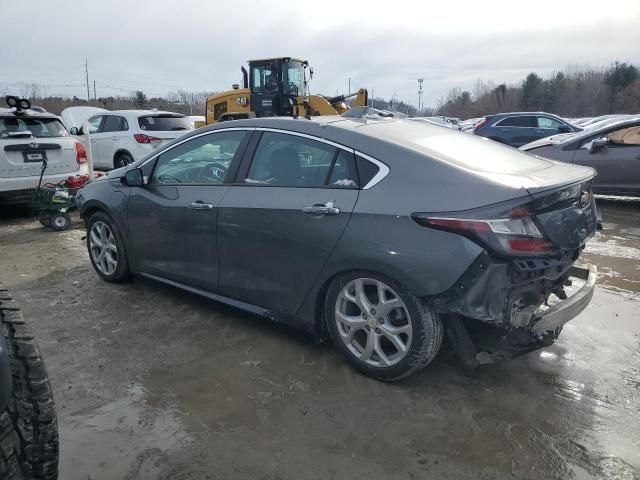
(154, 383)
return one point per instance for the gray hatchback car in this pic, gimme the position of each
(383, 234)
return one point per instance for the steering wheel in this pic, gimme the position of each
(213, 172)
(166, 176)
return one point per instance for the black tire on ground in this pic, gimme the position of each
(28, 427)
(122, 160)
(427, 329)
(44, 218)
(122, 272)
(59, 221)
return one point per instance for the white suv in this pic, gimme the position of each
(29, 139)
(121, 137)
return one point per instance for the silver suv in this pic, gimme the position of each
(32, 139)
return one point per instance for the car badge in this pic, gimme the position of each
(33, 145)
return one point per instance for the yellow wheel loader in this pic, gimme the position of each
(276, 87)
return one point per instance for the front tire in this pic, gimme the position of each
(28, 427)
(381, 328)
(106, 249)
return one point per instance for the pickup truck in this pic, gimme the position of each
(28, 424)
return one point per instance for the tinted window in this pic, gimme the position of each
(203, 160)
(115, 123)
(39, 127)
(366, 170)
(94, 124)
(343, 174)
(625, 136)
(518, 121)
(164, 123)
(290, 160)
(546, 122)
(264, 79)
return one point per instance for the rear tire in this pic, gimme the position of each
(28, 427)
(106, 249)
(122, 160)
(44, 218)
(405, 334)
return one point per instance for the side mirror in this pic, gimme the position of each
(564, 129)
(597, 145)
(74, 131)
(133, 178)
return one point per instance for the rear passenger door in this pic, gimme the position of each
(518, 130)
(280, 220)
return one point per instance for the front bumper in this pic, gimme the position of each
(560, 313)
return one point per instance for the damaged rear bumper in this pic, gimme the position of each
(498, 311)
(560, 313)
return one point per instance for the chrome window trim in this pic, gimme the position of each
(531, 115)
(304, 135)
(383, 170)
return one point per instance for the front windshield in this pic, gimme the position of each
(293, 78)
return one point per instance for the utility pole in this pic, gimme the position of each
(94, 91)
(349, 90)
(420, 80)
(86, 76)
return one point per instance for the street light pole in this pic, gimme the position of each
(420, 80)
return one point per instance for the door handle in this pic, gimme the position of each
(115, 139)
(200, 206)
(319, 209)
(638, 157)
(93, 140)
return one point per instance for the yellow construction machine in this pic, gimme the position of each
(276, 87)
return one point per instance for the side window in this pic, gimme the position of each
(625, 136)
(94, 124)
(115, 123)
(550, 123)
(366, 170)
(203, 160)
(344, 174)
(290, 160)
(519, 121)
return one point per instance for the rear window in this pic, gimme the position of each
(164, 123)
(456, 148)
(39, 127)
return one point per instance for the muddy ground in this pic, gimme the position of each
(154, 383)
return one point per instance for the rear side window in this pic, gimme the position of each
(115, 123)
(39, 127)
(625, 136)
(519, 121)
(164, 123)
(366, 170)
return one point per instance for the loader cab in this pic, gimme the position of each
(275, 84)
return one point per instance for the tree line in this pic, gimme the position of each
(576, 91)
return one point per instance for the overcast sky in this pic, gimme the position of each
(160, 46)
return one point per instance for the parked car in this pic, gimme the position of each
(28, 425)
(355, 228)
(121, 137)
(613, 150)
(519, 128)
(29, 139)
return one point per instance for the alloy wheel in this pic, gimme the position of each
(373, 322)
(104, 251)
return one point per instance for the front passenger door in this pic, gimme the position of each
(172, 219)
(281, 219)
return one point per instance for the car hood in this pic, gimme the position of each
(76, 116)
(544, 142)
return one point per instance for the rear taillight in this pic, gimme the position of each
(478, 126)
(142, 138)
(81, 153)
(517, 234)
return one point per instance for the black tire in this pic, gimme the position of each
(122, 160)
(59, 221)
(28, 427)
(426, 338)
(44, 218)
(122, 272)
